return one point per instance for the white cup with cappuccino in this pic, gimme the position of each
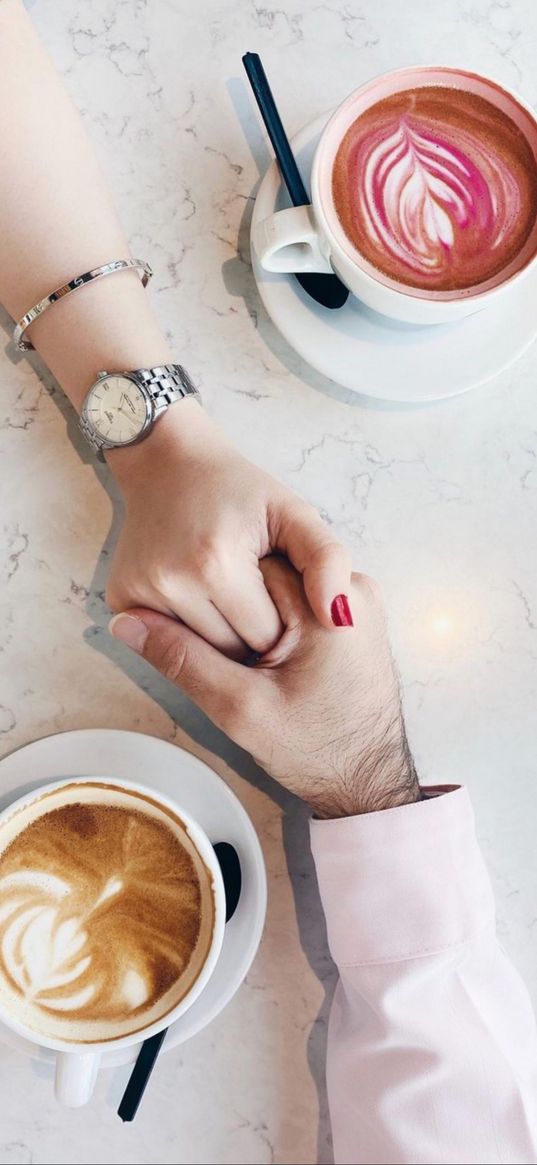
(112, 916)
(423, 194)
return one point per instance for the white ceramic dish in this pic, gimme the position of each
(169, 770)
(378, 357)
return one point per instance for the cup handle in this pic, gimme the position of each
(76, 1073)
(289, 241)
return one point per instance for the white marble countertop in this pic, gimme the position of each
(440, 503)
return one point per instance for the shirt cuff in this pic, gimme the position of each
(402, 882)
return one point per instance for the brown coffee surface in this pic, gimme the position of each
(437, 188)
(100, 912)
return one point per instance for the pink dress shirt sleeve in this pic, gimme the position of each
(432, 1044)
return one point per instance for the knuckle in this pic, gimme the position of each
(160, 579)
(172, 659)
(122, 593)
(304, 509)
(329, 550)
(210, 559)
(127, 586)
(299, 514)
(308, 515)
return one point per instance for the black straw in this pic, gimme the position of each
(273, 125)
(327, 290)
(139, 1077)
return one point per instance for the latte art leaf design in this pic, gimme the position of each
(419, 193)
(40, 950)
(436, 188)
(99, 913)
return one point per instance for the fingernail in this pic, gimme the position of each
(341, 612)
(130, 630)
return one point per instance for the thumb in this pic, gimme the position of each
(220, 686)
(325, 565)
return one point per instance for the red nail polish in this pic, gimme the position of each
(341, 612)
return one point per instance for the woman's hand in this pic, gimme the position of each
(198, 519)
(320, 712)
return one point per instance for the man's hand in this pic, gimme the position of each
(320, 712)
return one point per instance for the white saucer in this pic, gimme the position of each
(378, 357)
(133, 756)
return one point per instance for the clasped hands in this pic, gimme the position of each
(217, 560)
(320, 712)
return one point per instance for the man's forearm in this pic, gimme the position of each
(58, 221)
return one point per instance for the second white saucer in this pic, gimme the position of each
(201, 792)
(378, 357)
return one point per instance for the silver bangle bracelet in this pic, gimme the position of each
(73, 285)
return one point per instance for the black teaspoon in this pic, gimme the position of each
(230, 866)
(327, 290)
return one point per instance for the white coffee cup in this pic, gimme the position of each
(77, 1065)
(311, 238)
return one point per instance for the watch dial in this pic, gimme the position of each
(117, 409)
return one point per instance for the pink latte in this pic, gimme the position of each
(436, 188)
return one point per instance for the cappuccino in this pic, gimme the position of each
(436, 188)
(106, 912)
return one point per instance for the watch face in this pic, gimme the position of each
(117, 409)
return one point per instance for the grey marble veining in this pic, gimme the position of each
(440, 503)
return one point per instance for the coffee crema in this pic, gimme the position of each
(106, 913)
(436, 188)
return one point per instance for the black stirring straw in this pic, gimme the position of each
(230, 866)
(139, 1077)
(327, 290)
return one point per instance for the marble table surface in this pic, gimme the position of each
(440, 503)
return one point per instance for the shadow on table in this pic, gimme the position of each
(295, 828)
(239, 280)
(295, 818)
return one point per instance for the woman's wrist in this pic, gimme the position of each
(175, 435)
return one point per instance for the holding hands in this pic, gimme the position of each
(320, 712)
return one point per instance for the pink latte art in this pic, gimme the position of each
(436, 188)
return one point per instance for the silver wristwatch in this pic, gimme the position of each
(122, 407)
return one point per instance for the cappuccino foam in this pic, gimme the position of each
(436, 188)
(106, 912)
